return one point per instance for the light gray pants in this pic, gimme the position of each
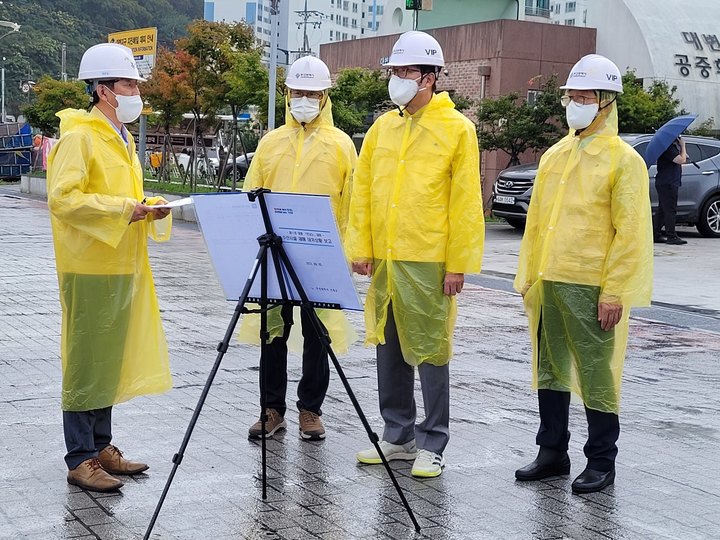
(396, 390)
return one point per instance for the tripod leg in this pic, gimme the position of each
(325, 338)
(222, 349)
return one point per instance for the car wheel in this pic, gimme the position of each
(709, 223)
(516, 223)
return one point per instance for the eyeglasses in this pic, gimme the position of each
(306, 93)
(405, 72)
(580, 100)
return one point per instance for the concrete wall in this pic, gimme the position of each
(648, 36)
(516, 52)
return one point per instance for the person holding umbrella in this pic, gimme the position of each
(667, 149)
(667, 183)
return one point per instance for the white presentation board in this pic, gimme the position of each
(231, 225)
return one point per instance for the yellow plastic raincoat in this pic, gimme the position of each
(318, 159)
(589, 225)
(113, 345)
(416, 213)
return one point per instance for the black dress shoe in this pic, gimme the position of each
(547, 463)
(591, 481)
(659, 239)
(675, 241)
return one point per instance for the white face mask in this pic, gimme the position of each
(304, 109)
(581, 116)
(128, 107)
(402, 91)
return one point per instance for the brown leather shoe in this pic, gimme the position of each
(112, 460)
(90, 475)
(274, 423)
(311, 427)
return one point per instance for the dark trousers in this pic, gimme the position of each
(86, 433)
(315, 379)
(667, 209)
(603, 430)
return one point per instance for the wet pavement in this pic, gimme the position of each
(666, 483)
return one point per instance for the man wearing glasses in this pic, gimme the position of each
(306, 155)
(416, 226)
(585, 260)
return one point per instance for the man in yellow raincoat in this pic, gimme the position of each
(416, 226)
(113, 345)
(585, 260)
(306, 155)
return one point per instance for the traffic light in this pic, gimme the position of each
(425, 5)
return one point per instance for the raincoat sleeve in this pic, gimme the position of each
(158, 229)
(350, 160)
(524, 277)
(359, 242)
(254, 177)
(628, 272)
(102, 217)
(466, 222)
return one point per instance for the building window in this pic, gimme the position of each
(379, 10)
(332, 17)
(354, 23)
(570, 7)
(345, 22)
(346, 5)
(570, 22)
(344, 35)
(331, 34)
(353, 37)
(355, 7)
(557, 8)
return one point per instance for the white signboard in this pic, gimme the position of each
(231, 225)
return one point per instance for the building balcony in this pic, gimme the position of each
(537, 12)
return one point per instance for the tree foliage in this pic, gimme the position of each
(357, 94)
(643, 110)
(512, 125)
(35, 51)
(54, 96)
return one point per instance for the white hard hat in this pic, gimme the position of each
(416, 49)
(108, 61)
(308, 73)
(594, 72)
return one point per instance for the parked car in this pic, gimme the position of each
(201, 169)
(698, 198)
(242, 164)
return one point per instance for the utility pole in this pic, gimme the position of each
(63, 73)
(306, 15)
(273, 62)
(2, 83)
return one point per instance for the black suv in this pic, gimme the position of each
(698, 198)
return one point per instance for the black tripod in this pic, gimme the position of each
(271, 246)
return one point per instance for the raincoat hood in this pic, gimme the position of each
(94, 119)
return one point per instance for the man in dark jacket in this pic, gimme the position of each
(667, 182)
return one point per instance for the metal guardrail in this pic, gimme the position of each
(537, 12)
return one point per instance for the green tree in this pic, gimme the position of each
(642, 110)
(357, 94)
(47, 24)
(512, 125)
(210, 51)
(169, 94)
(54, 96)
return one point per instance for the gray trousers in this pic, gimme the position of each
(396, 390)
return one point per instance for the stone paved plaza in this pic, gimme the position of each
(669, 456)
